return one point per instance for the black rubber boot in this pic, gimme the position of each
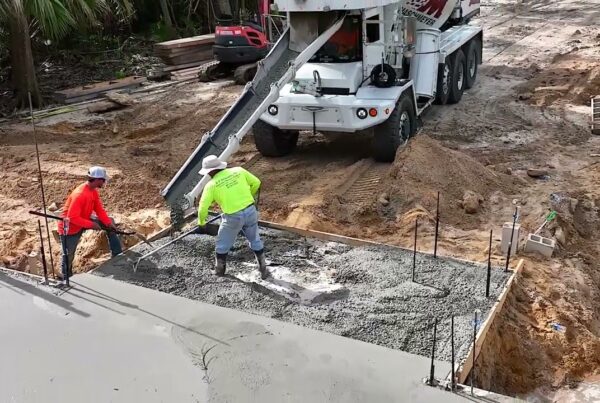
(262, 263)
(220, 262)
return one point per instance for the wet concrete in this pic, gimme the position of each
(374, 300)
(109, 341)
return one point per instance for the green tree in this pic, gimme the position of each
(54, 19)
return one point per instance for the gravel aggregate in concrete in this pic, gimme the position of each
(381, 304)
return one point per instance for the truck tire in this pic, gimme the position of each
(459, 70)
(273, 142)
(444, 82)
(395, 131)
(473, 60)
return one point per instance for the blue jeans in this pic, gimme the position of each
(71, 242)
(231, 225)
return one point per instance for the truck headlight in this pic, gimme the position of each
(273, 110)
(362, 113)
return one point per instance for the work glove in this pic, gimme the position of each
(200, 229)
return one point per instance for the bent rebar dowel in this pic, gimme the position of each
(171, 242)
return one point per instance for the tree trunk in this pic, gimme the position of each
(21, 59)
(166, 14)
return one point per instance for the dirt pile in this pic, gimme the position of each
(426, 167)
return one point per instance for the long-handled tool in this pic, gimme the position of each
(135, 266)
(105, 228)
(551, 216)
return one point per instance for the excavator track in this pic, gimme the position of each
(245, 73)
(213, 70)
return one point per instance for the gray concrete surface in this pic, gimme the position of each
(108, 341)
(373, 297)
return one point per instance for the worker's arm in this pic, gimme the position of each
(206, 200)
(101, 213)
(74, 215)
(253, 182)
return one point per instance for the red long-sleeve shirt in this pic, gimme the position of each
(79, 207)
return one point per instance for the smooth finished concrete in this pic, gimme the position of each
(108, 341)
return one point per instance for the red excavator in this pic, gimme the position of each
(241, 40)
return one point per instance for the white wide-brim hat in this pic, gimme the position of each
(211, 163)
(97, 173)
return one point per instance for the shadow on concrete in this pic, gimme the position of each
(40, 293)
(12, 289)
(97, 294)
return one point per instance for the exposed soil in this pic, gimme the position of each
(529, 109)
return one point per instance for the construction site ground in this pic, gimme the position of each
(528, 112)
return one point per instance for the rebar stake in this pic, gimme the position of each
(432, 369)
(437, 225)
(37, 154)
(43, 253)
(489, 268)
(415, 250)
(452, 385)
(512, 234)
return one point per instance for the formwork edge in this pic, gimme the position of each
(466, 366)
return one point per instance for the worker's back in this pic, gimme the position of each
(233, 189)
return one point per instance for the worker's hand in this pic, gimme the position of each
(200, 229)
(96, 226)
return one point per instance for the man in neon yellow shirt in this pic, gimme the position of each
(233, 190)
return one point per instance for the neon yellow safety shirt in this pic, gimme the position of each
(233, 189)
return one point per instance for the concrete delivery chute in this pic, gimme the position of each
(345, 66)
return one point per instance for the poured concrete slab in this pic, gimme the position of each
(104, 340)
(361, 292)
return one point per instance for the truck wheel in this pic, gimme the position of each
(273, 142)
(473, 59)
(459, 76)
(395, 131)
(444, 82)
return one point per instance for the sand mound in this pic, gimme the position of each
(426, 167)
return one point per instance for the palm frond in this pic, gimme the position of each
(54, 18)
(84, 12)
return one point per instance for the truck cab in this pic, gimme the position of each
(376, 75)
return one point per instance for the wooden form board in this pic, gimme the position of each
(91, 91)
(208, 39)
(464, 368)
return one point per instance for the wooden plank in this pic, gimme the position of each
(98, 88)
(182, 51)
(464, 369)
(185, 42)
(191, 58)
(183, 66)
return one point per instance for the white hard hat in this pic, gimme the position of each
(97, 173)
(211, 163)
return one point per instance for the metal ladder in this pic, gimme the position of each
(595, 123)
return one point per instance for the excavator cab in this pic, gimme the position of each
(239, 37)
(240, 40)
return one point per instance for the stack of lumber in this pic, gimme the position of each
(96, 90)
(183, 57)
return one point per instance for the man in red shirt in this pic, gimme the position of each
(77, 217)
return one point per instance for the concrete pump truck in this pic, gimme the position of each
(368, 66)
